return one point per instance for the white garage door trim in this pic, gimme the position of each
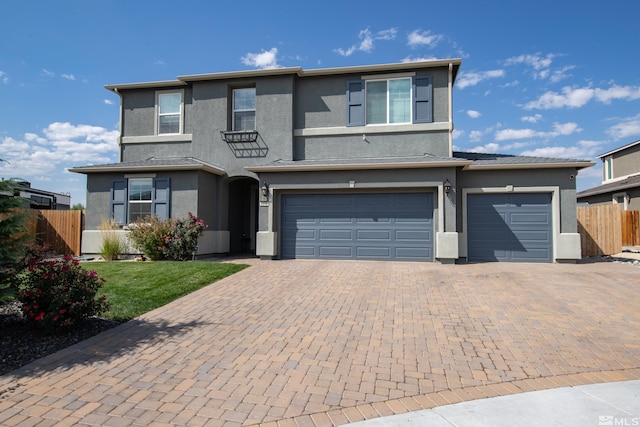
(555, 210)
(345, 225)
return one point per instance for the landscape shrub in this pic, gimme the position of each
(112, 244)
(170, 239)
(181, 243)
(59, 293)
(147, 235)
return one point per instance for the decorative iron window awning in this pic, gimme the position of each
(239, 136)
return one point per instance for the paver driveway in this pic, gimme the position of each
(328, 342)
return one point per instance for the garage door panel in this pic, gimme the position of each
(510, 227)
(361, 225)
(413, 235)
(336, 251)
(335, 235)
(372, 252)
(408, 253)
(383, 235)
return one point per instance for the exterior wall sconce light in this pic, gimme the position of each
(265, 190)
(447, 186)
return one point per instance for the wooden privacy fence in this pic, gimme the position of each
(604, 229)
(61, 230)
(630, 228)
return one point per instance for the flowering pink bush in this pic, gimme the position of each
(171, 239)
(181, 242)
(59, 293)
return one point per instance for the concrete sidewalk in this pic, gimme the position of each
(607, 404)
(326, 343)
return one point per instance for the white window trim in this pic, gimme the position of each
(241, 110)
(367, 81)
(130, 202)
(608, 169)
(615, 199)
(555, 211)
(157, 111)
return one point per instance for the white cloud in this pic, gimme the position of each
(473, 114)
(3, 77)
(109, 101)
(48, 73)
(538, 62)
(628, 127)
(558, 129)
(367, 39)
(473, 78)
(578, 97)
(68, 76)
(423, 38)
(457, 133)
(561, 74)
(491, 147)
(418, 58)
(565, 128)
(61, 145)
(628, 93)
(263, 60)
(532, 119)
(508, 134)
(582, 150)
(475, 135)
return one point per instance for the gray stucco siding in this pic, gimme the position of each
(321, 101)
(372, 145)
(521, 178)
(212, 109)
(184, 196)
(143, 151)
(139, 109)
(626, 162)
(388, 180)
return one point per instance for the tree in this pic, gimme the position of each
(77, 207)
(14, 231)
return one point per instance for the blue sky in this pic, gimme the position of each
(547, 78)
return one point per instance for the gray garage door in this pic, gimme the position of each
(395, 226)
(510, 227)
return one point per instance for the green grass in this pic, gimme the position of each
(133, 288)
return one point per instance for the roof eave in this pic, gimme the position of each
(151, 168)
(608, 153)
(354, 166)
(555, 165)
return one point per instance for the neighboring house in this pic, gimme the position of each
(41, 199)
(340, 163)
(620, 179)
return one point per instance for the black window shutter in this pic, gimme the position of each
(422, 95)
(355, 103)
(119, 201)
(161, 197)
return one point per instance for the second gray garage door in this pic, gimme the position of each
(510, 227)
(389, 226)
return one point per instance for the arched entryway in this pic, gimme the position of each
(243, 215)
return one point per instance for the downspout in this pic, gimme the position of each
(450, 87)
(115, 89)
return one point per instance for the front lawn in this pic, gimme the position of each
(133, 288)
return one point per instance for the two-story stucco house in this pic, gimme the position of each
(340, 163)
(620, 179)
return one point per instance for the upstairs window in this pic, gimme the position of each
(389, 101)
(608, 168)
(244, 109)
(169, 106)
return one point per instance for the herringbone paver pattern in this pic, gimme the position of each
(323, 343)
